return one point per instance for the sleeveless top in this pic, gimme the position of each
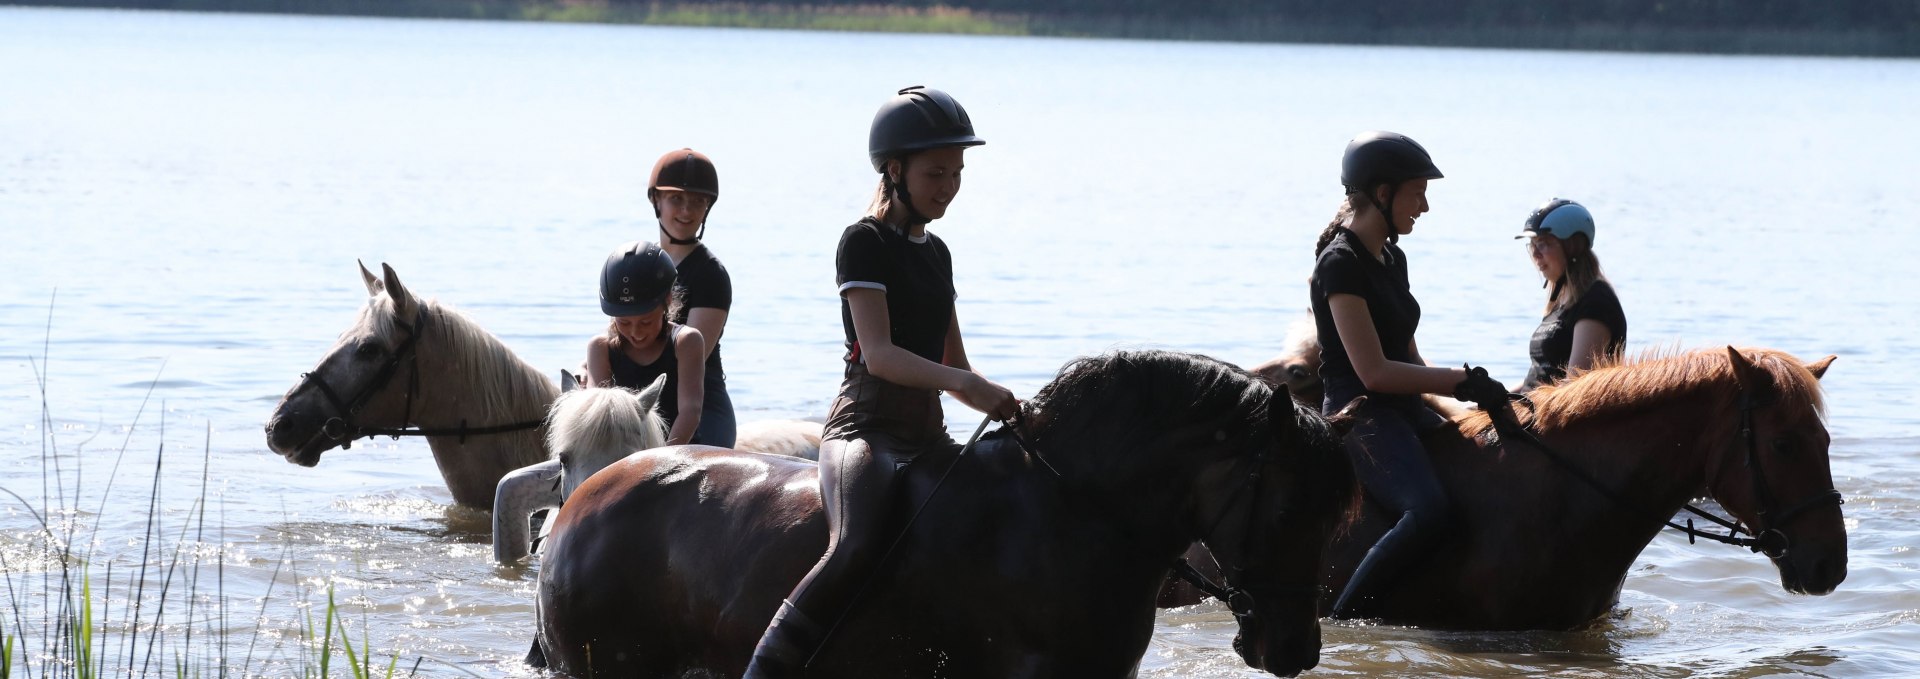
(632, 375)
(1552, 346)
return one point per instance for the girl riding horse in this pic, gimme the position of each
(1366, 315)
(903, 348)
(683, 188)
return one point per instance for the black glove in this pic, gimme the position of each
(1480, 388)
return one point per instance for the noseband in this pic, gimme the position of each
(343, 428)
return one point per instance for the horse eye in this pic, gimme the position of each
(367, 349)
(1784, 446)
(1298, 372)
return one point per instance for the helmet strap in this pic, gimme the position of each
(898, 188)
(680, 241)
(1393, 231)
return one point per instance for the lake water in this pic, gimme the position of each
(183, 197)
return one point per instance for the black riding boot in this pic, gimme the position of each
(1381, 568)
(788, 643)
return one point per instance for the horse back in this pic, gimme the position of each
(650, 561)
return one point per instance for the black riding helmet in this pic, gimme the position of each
(916, 119)
(1389, 158)
(686, 170)
(635, 280)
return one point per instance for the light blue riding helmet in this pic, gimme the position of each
(1560, 218)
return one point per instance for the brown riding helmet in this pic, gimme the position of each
(684, 170)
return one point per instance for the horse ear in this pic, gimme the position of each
(1344, 420)
(1819, 367)
(650, 396)
(1280, 411)
(568, 382)
(403, 303)
(1742, 367)
(372, 281)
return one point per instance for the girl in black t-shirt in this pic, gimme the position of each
(1366, 316)
(903, 349)
(1584, 322)
(683, 187)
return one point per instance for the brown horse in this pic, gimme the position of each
(1298, 368)
(1545, 544)
(673, 560)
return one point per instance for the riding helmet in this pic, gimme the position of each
(1560, 218)
(686, 170)
(635, 280)
(1379, 157)
(917, 119)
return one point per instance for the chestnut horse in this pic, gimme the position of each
(1542, 537)
(672, 561)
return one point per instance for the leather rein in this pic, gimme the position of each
(1767, 539)
(343, 428)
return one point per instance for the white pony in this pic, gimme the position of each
(589, 429)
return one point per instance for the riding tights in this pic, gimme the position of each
(1394, 468)
(874, 431)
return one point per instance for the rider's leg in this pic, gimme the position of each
(1394, 468)
(855, 488)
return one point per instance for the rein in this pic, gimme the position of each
(343, 429)
(1770, 540)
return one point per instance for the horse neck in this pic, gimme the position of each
(1650, 463)
(467, 375)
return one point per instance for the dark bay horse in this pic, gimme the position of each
(672, 561)
(1534, 546)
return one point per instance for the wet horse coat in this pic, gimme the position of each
(674, 559)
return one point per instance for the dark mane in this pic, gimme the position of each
(1099, 405)
(1627, 385)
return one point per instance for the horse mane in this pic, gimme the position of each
(496, 377)
(602, 420)
(1618, 386)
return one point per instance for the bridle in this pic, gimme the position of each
(1766, 539)
(343, 428)
(1240, 599)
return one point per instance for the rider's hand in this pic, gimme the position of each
(985, 396)
(1480, 388)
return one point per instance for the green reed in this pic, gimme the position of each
(173, 617)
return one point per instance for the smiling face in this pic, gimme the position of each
(642, 330)
(932, 179)
(1409, 202)
(682, 212)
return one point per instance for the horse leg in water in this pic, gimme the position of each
(851, 476)
(1394, 468)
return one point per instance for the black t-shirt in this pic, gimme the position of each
(702, 282)
(1552, 346)
(1346, 267)
(917, 277)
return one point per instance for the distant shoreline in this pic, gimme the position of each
(1885, 39)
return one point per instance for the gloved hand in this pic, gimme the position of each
(1480, 388)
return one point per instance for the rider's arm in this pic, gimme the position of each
(692, 386)
(1001, 403)
(599, 370)
(872, 328)
(1590, 340)
(710, 322)
(1362, 342)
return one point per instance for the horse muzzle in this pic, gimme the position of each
(300, 442)
(1282, 655)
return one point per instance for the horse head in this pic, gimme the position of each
(588, 429)
(1298, 369)
(1301, 486)
(354, 387)
(1771, 471)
